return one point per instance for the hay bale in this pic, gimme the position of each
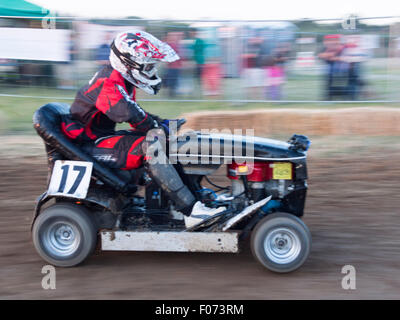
(368, 121)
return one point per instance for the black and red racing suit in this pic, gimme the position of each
(106, 100)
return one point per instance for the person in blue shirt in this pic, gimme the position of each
(103, 51)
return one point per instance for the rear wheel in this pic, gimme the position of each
(281, 242)
(64, 234)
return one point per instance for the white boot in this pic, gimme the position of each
(200, 213)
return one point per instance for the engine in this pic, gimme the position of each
(284, 181)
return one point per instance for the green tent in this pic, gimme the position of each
(21, 8)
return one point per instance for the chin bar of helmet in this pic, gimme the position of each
(155, 88)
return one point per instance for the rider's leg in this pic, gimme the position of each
(122, 151)
(165, 175)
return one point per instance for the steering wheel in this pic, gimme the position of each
(180, 123)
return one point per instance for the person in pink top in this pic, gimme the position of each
(275, 72)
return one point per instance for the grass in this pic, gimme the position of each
(16, 112)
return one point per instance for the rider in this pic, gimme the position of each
(109, 98)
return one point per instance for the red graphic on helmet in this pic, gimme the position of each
(142, 45)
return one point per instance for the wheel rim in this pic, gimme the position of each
(61, 239)
(282, 245)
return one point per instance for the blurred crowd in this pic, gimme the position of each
(219, 62)
(261, 66)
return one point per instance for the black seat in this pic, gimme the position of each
(47, 122)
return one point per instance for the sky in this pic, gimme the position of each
(224, 9)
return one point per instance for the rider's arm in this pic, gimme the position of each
(116, 104)
(155, 117)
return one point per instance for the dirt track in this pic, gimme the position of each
(352, 211)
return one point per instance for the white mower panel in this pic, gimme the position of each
(170, 241)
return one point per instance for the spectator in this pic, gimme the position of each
(275, 72)
(67, 70)
(354, 56)
(173, 68)
(212, 73)
(103, 51)
(252, 74)
(335, 68)
(186, 73)
(199, 47)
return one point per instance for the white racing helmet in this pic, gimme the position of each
(135, 54)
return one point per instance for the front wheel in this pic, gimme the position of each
(281, 242)
(64, 234)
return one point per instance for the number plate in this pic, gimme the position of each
(70, 179)
(282, 171)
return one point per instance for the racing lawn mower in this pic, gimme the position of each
(87, 202)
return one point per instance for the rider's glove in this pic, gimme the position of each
(171, 124)
(165, 125)
(144, 125)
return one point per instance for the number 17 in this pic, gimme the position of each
(78, 179)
